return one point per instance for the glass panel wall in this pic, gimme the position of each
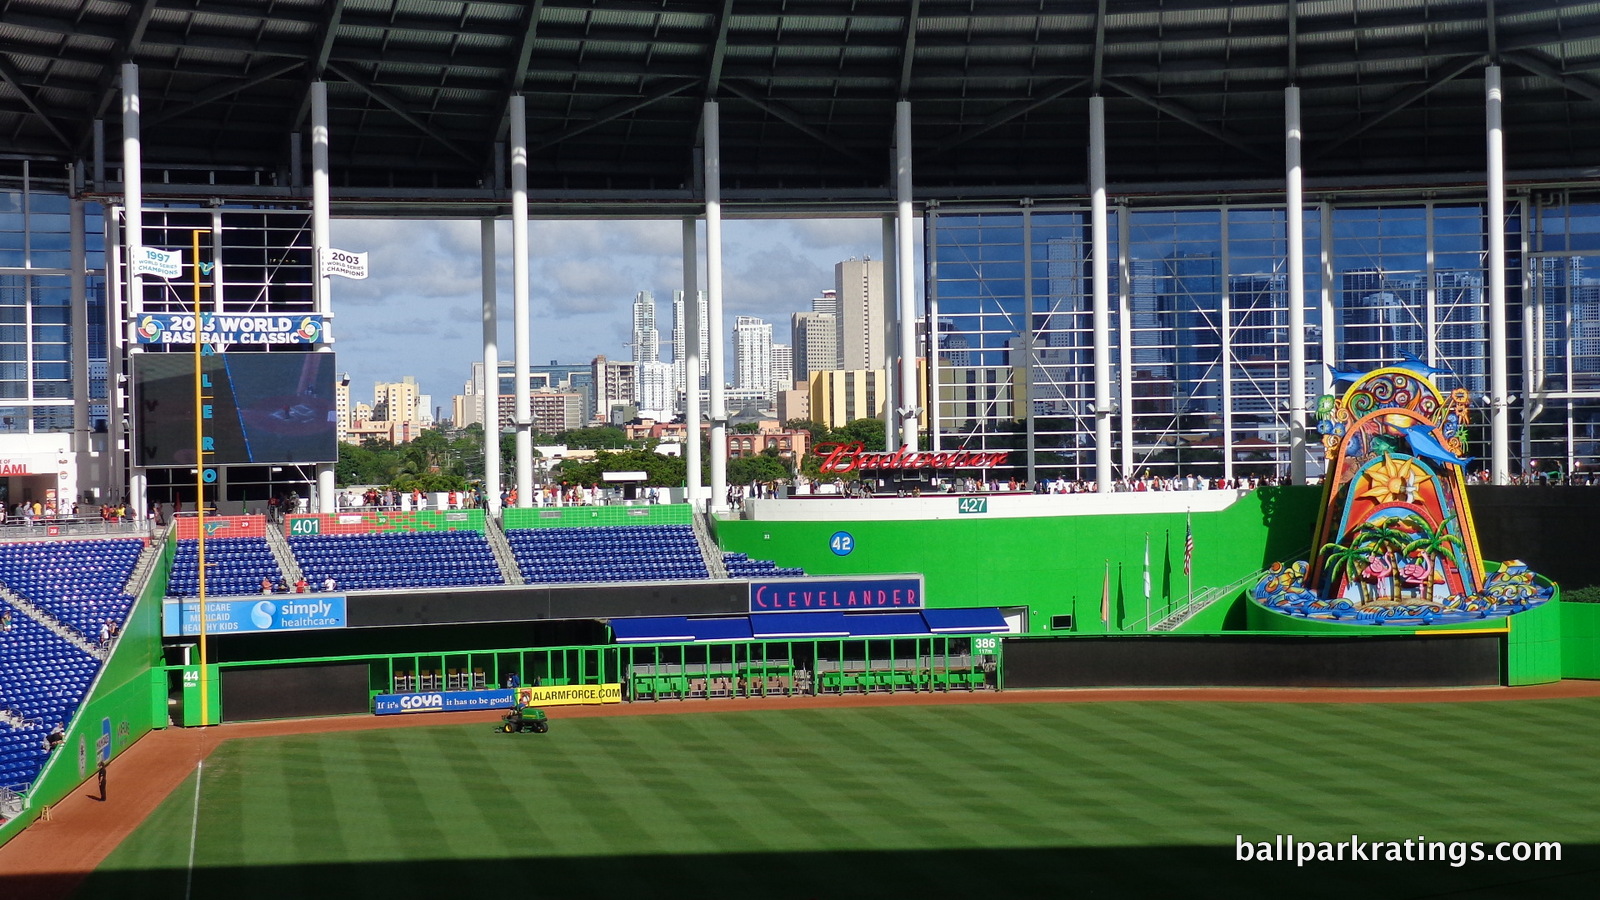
(1207, 300)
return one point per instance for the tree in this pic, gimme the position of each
(748, 469)
(601, 437)
(660, 471)
(747, 428)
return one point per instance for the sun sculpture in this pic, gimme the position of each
(1395, 540)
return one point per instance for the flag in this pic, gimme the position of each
(1147, 569)
(1188, 547)
(1105, 597)
(166, 264)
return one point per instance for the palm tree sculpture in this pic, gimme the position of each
(1346, 562)
(1433, 544)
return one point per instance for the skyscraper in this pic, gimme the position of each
(752, 354)
(680, 345)
(646, 339)
(862, 335)
(816, 343)
(782, 368)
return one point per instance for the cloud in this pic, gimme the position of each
(420, 311)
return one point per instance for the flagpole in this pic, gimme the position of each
(1188, 558)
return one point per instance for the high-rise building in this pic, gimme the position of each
(782, 368)
(341, 405)
(827, 304)
(395, 401)
(657, 397)
(816, 342)
(615, 383)
(863, 338)
(752, 354)
(646, 339)
(680, 344)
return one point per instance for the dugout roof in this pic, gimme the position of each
(418, 91)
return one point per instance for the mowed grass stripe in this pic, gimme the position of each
(1012, 798)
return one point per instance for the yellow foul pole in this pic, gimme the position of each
(200, 486)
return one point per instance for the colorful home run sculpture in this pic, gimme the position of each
(1395, 540)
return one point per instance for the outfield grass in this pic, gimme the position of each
(1100, 799)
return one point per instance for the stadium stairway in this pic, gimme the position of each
(60, 629)
(147, 563)
(709, 551)
(283, 554)
(510, 571)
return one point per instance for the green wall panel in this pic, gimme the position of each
(1056, 565)
(1533, 651)
(1580, 640)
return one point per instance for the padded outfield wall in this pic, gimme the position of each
(1059, 556)
(1052, 554)
(126, 702)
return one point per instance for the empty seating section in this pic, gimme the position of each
(367, 562)
(607, 553)
(78, 582)
(42, 680)
(742, 566)
(233, 566)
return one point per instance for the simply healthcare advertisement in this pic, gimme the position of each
(292, 612)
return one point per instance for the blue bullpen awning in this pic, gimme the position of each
(798, 625)
(965, 621)
(652, 629)
(732, 628)
(906, 624)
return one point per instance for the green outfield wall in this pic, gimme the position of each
(128, 701)
(1580, 640)
(1057, 566)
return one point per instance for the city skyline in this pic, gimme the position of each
(419, 312)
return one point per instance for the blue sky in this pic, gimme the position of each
(419, 311)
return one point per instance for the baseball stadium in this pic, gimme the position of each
(1240, 395)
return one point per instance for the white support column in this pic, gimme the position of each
(133, 237)
(906, 278)
(1499, 415)
(1030, 376)
(1100, 245)
(891, 307)
(321, 239)
(491, 367)
(1330, 320)
(718, 373)
(522, 402)
(1296, 220)
(694, 486)
(1125, 344)
(1225, 355)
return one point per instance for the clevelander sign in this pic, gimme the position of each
(902, 592)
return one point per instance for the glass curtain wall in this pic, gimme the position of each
(36, 310)
(1204, 388)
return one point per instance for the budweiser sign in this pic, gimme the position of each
(838, 457)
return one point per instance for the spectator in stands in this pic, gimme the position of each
(105, 632)
(272, 508)
(300, 585)
(328, 584)
(266, 585)
(283, 586)
(111, 625)
(512, 681)
(5, 621)
(55, 738)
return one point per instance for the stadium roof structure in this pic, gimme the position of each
(1392, 92)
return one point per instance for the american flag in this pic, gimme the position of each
(1188, 547)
